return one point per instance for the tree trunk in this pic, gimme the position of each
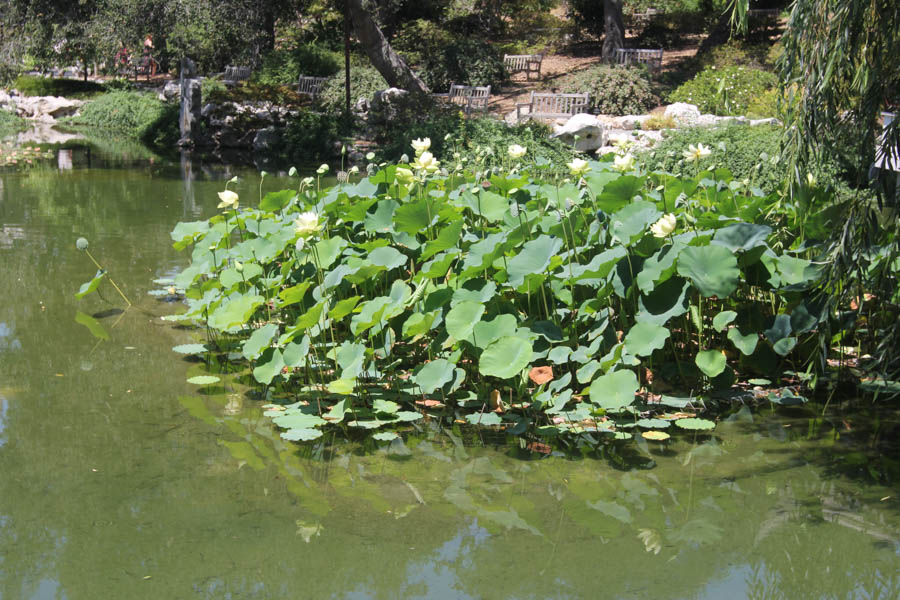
(613, 28)
(389, 64)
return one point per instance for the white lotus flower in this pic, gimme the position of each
(228, 199)
(696, 152)
(516, 151)
(426, 162)
(624, 163)
(306, 224)
(322, 169)
(664, 226)
(421, 145)
(578, 167)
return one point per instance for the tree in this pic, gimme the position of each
(391, 66)
(613, 28)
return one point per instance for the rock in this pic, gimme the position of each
(264, 115)
(769, 121)
(706, 120)
(629, 121)
(384, 100)
(685, 115)
(171, 90)
(46, 108)
(588, 128)
(208, 109)
(266, 139)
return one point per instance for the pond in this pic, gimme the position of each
(121, 480)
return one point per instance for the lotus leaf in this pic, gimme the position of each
(711, 362)
(91, 286)
(646, 337)
(461, 319)
(268, 366)
(694, 423)
(385, 436)
(628, 224)
(203, 380)
(275, 201)
(387, 257)
(412, 218)
(486, 332)
(235, 312)
(505, 358)
(712, 269)
(533, 259)
(446, 239)
(301, 435)
(652, 423)
(382, 219)
(190, 349)
(741, 237)
(344, 307)
(327, 251)
(659, 436)
(92, 324)
(723, 319)
(614, 390)
(745, 343)
(486, 418)
(259, 341)
(434, 375)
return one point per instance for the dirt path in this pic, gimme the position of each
(554, 66)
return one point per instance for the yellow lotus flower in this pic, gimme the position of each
(306, 224)
(516, 151)
(696, 152)
(228, 199)
(578, 167)
(664, 226)
(426, 162)
(624, 163)
(404, 175)
(421, 145)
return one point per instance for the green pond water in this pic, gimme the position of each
(120, 480)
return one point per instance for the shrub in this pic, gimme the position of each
(310, 136)
(727, 91)
(250, 91)
(10, 123)
(30, 85)
(136, 114)
(657, 122)
(210, 86)
(737, 53)
(613, 90)
(411, 117)
(752, 153)
(465, 62)
(364, 82)
(284, 66)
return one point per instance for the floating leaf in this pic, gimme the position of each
(203, 380)
(92, 324)
(652, 423)
(487, 418)
(658, 436)
(190, 349)
(694, 423)
(385, 436)
(301, 435)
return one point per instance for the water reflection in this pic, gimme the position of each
(121, 481)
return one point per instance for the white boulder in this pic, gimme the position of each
(588, 128)
(685, 115)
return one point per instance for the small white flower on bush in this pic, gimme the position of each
(624, 163)
(516, 151)
(228, 199)
(696, 152)
(306, 224)
(426, 162)
(421, 145)
(578, 167)
(664, 226)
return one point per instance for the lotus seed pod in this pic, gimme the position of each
(514, 210)
(81, 243)
(569, 204)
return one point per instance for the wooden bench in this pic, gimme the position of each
(523, 63)
(547, 105)
(310, 85)
(770, 13)
(234, 75)
(469, 97)
(651, 57)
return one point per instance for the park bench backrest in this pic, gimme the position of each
(547, 105)
(652, 57)
(237, 73)
(523, 63)
(310, 85)
(470, 97)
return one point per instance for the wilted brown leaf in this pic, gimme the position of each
(541, 375)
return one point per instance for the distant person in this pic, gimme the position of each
(148, 59)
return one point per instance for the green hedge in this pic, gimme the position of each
(134, 114)
(727, 91)
(30, 85)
